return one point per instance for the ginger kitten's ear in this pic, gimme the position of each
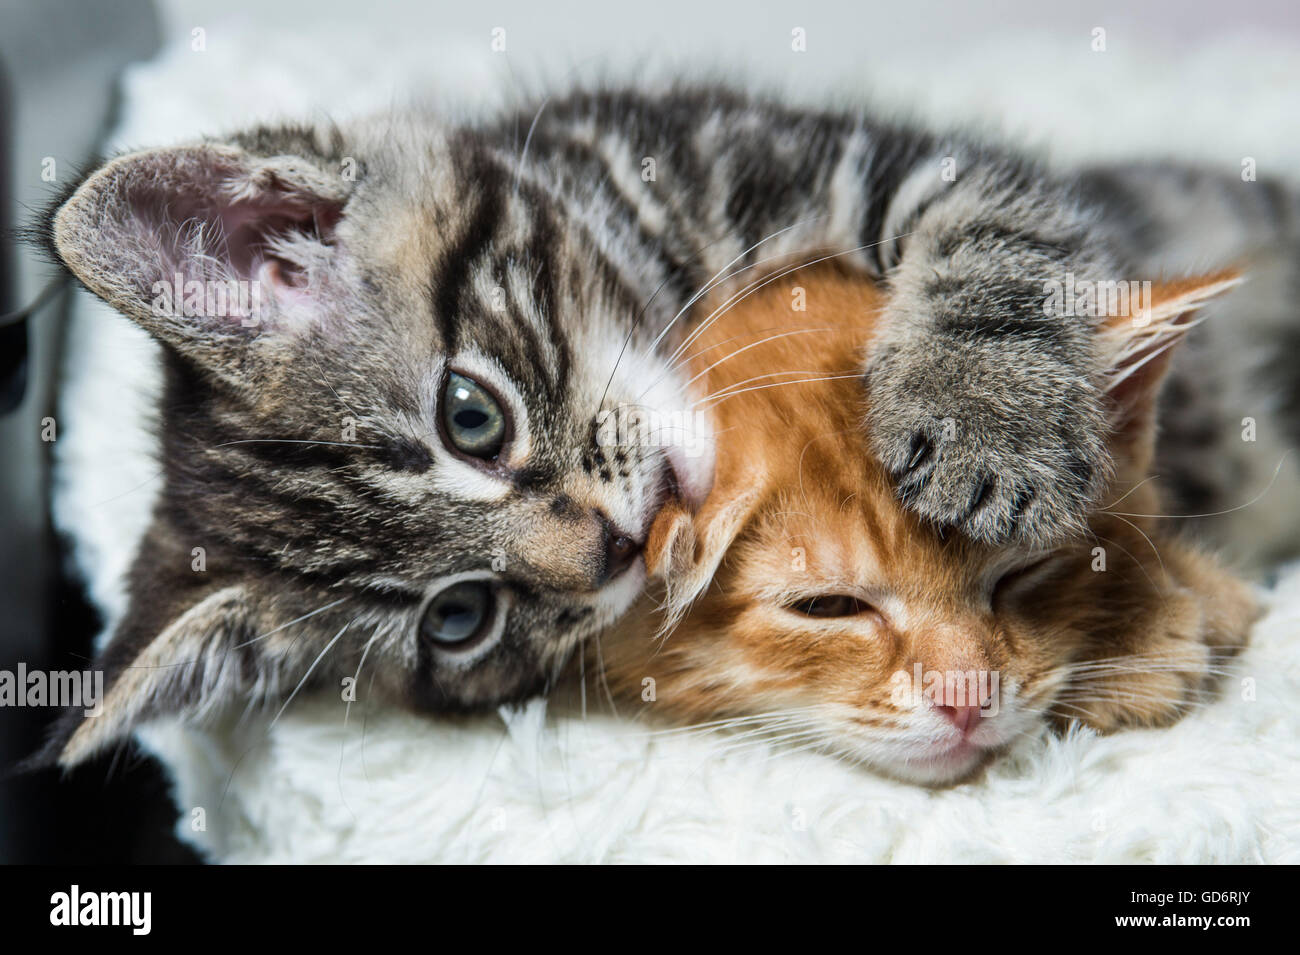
(1137, 349)
(685, 549)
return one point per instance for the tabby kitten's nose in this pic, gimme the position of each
(620, 550)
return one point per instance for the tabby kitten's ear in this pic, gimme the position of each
(1137, 349)
(214, 655)
(206, 246)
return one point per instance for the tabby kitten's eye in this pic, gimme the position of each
(832, 605)
(474, 421)
(459, 616)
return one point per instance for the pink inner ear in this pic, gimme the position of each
(286, 282)
(242, 237)
(217, 221)
(249, 226)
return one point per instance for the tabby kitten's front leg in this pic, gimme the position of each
(984, 405)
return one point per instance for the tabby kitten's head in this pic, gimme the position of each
(812, 603)
(386, 356)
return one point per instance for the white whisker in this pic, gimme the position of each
(320, 656)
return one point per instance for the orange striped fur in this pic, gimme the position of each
(800, 511)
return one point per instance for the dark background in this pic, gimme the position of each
(59, 63)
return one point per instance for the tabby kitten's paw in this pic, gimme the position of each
(995, 443)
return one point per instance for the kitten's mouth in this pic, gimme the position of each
(943, 765)
(954, 758)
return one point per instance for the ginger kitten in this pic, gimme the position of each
(805, 596)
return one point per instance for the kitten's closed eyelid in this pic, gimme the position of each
(1021, 573)
(831, 606)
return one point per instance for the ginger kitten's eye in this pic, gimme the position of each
(832, 605)
(458, 617)
(472, 418)
(1020, 574)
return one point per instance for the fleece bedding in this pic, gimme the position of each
(328, 783)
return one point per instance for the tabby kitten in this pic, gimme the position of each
(813, 604)
(391, 456)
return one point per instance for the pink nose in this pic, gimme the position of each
(962, 717)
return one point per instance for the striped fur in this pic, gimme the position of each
(534, 252)
(1127, 626)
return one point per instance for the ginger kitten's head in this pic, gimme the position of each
(807, 593)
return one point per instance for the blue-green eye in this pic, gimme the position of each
(460, 614)
(474, 421)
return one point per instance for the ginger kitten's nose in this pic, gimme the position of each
(962, 717)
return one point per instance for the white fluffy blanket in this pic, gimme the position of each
(1221, 786)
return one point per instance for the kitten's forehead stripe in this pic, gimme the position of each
(528, 312)
(510, 244)
(545, 246)
(453, 271)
